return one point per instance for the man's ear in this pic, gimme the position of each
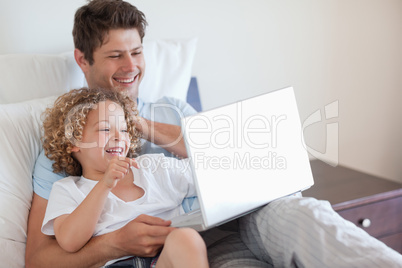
(81, 61)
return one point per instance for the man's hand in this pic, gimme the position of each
(143, 236)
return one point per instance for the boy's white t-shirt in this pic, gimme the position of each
(166, 182)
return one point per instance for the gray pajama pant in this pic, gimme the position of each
(296, 232)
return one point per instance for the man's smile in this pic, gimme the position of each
(125, 80)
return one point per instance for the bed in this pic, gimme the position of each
(30, 83)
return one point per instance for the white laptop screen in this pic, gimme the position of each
(246, 154)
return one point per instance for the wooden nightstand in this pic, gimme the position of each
(371, 203)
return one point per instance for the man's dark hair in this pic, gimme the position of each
(93, 22)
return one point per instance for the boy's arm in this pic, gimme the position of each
(143, 236)
(74, 230)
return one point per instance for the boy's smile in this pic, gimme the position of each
(116, 151)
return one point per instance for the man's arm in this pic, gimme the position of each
(143, 236)
(166, 136)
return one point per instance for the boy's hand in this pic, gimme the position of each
(117, 169)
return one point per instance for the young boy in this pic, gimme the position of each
(88, 134)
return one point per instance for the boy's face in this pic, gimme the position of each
(118, 64)
(104, 137)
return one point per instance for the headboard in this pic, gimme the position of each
(193, 95)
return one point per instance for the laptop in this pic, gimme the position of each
(243, 156)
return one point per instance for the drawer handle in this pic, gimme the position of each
(365, 223)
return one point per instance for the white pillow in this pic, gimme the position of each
(20, 132)
(168, 69)
(25, 77)
(12, 253)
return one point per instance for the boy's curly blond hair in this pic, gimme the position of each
(65, 121)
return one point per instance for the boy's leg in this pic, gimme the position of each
(184, 247)
(305, 232)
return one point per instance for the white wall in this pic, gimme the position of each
(329, 50)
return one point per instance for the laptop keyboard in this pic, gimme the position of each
(192, 217)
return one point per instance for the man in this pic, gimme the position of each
(109, 58)
(290, 232)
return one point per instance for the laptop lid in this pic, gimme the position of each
(246, 154)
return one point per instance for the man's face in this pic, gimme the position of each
(119, 63)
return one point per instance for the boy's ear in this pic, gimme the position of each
(75, 149)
